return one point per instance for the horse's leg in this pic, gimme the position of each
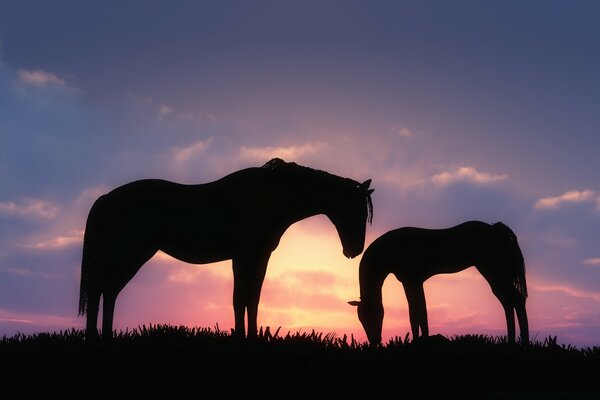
(424, 322)
(417, 309)
(240, 290)
(108, 311)
(256, 282)
(93, 304)
(125, 269)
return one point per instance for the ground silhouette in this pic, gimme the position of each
(240, 217)
(183, 360)
(414, 255)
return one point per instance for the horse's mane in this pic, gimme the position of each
(302, 172)
(519, 273)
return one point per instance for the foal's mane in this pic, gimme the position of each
(302, 172)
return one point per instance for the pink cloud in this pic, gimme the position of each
(592, 261)
(15, 321)
(467, 174)
(58, 242)
(40, 78)
(183, 154)
(289, 153)
(572, 196)
(565, 289)
(31, 208)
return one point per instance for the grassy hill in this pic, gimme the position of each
(164, 357)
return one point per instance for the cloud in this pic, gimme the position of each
(165, 110)
(30, 208)
(183, 154)
(289, 153)
(58, 242)
(568, 290)
(28, 273)
(572, 196)
(26, 321)
(40, 78)
(467, 174)
(592, 261)
(404, 132)
(139, 99)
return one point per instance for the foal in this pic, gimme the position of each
(414, 255)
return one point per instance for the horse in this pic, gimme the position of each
(414, 255)
(241, 217)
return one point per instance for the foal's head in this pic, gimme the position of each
(370, 314)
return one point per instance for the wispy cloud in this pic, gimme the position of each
(570, 291)
(595, 261)
(165, 110)
(467, 174)
(572, 196)
(183, 154)
(140, 99)
(404, 132)
(40, 78)
(57, 242)
(31, 208)
(289, 153)
(9, 316)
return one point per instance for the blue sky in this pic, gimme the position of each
(458, 111)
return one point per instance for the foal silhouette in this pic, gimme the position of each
(414, 255)
(240, 217)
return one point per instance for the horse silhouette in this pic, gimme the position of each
(240, 217)
(414, 255)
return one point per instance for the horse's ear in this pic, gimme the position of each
(370, 191)
(365, 185)
(354, 303)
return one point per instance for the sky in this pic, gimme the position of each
(466, 110)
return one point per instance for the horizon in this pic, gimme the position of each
(469, 111)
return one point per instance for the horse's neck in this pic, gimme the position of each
(300, 202)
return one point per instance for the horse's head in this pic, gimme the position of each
(370, 314)
(350, 217)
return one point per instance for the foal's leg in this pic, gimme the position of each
(503, 293)
(417, 308)
(523, 323)
(509, 312)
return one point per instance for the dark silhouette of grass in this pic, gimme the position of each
(472, 364)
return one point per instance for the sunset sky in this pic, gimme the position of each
(457, 110)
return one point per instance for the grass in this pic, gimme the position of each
(301, 360)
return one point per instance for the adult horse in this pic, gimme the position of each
(240, 217)
(414, 255)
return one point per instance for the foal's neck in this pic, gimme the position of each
(371, 280)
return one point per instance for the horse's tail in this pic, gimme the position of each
(89, 256)
(518, 261)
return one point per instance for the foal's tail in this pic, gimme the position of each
(89, 256)
(516, 257)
